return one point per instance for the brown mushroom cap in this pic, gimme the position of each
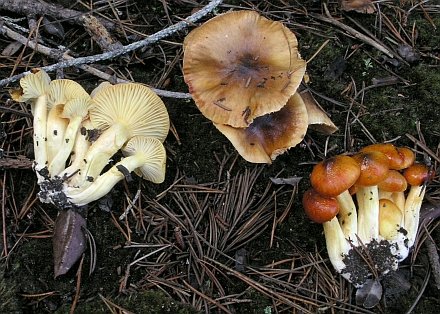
(374, 167)
(417, 174)
(394, 182)
(270, 135)
(319, 208)
(335, 175)
(396, 159)
(240, 65)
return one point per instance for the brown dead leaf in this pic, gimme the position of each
(11, 49)
(361, 6)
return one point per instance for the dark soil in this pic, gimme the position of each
(343, 67)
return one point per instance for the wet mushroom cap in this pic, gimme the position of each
(417, 174)
(240, 65)
(374, 167)
(270, 135)
(396, 159)
(319, 208)
(394, 182)
(335, 175)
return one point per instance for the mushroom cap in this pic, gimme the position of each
(334, 175)
(100, 87)
(240, 65)
(154, 155)
(63, 90)
(317, 118)
(390, 217)
(319, 208)
(133, 105)
(270, 135)
(32, 86)
(374, 167)
(408, 156)
(76, 107)
(396, 159)
(417, 174)
(394, 182)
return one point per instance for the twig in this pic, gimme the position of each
(125, 49)
(355, 33)
(57, 54)
(32, 7)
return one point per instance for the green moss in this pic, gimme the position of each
(8, 288)
(151, 301)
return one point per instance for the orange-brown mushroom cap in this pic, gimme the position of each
(374, 167)
(417, 174)
(335, 175)
(270, 135)
(240, 65)
(319, 208)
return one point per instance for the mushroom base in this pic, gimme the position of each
(374, 259)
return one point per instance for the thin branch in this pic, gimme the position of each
(125, 49)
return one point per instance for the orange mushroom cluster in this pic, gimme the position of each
(243, 72)
(368, 202)
(76, 134)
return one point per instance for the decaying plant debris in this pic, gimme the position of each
(218, 235)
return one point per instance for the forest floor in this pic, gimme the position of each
(173, 247)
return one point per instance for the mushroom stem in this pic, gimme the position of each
(40, 134)
(337, 245)
(411, 213)
(56, 127)
(347, 216)
(100, 152)
(58, 163)
(368, 213)
(80, 148)
(105, 182)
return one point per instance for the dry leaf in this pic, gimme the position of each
(11, 49)
(361, 6)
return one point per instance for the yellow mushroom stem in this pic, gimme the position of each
(40, 134)
(368, 213)
(99, 154)
(337, 245)
(56, 127)
(105, 182)
(411, 212)
(58, 163)
(80, 148)
(347, 216)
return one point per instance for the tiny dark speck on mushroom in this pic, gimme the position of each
(67, 140)
(55, 132)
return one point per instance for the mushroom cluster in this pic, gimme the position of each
(243, 72)
(369, 205)
(77, 134)
(75, 137)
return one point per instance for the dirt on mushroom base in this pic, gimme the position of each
(195, 157)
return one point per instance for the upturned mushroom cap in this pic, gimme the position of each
(146, 154)
(270, 135)
(335, 175)
(63, 90)
(133, 105)
(32, 86)
(240, 65)
(154, 154)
